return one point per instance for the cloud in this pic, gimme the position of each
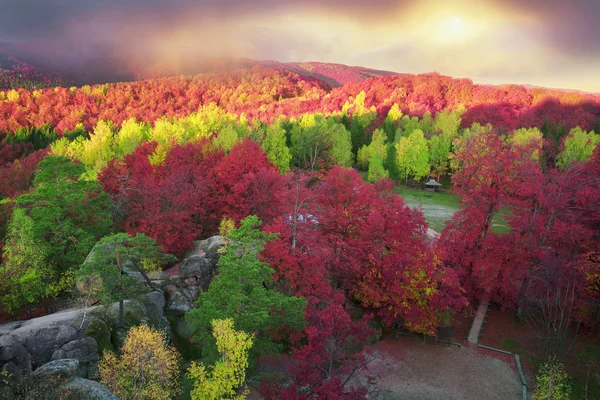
(544, 42)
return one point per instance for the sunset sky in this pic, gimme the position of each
(541, 42)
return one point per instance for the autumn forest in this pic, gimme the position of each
(322, 259)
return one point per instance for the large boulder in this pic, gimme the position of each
(79, 388)
(83, 350)
(208, 248)
(57, 369)
(197, 271)
(148, 309)
(193, 275)
(69, 334)
(13, 352)
(42, 336)
(178, 302)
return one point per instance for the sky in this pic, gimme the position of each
(552, 43)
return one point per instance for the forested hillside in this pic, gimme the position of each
(269, 158)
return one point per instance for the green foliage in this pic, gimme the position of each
(341, 144)
(310, 143)
(391, 162)
(528, 138)
(391, 121)
(98, 150)
(226, 138)
(552, 382)
(377, 148)
(25, 276)
(406, 126)
(104, 144)
(63, 217)
(222, 380)
(376, 170)
(447, 123)
(439, 150)
(131, 134)
(40, 137)
(363, 157)
(243, 291)
(413, 156)
(276, 148)
(427, 124)
(106, 263)
(579, 146)
(362, 119)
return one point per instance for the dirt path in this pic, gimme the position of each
(478, 321)
(422, 371)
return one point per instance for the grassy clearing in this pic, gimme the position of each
(438, 208)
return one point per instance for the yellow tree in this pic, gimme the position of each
(224, 379)
(148, 369)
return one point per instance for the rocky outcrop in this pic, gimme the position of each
(57, 380)
(40, 338)
(128, 267)
(57, 369)
(71, 342)
(148, 310)
(84, 350)
(79, 388)
(193, 275)
(208, 248)
(27, 345)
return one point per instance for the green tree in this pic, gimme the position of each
(448, 122)
(98, 150)
(552, 382)
(226, 138)
(391, 121)
(341, 144)
(427, 124)
(528, 137)
(439, 150)
(579, 146)
(129, 137)
(223, 379)
(68, 216)
(106, 262)
(378, 147)
(276, 148)
(310, 144)
(406, 126)
(363, 157)
(413, 156)
(243, 291)
(376, 170)
(25, 277)
(361, 120)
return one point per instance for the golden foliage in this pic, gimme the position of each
(222, 380)
(146, 369)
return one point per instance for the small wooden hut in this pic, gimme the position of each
(432, 186)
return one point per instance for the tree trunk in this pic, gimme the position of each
(587, 382)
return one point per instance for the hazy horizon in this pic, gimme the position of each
(542, 43)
